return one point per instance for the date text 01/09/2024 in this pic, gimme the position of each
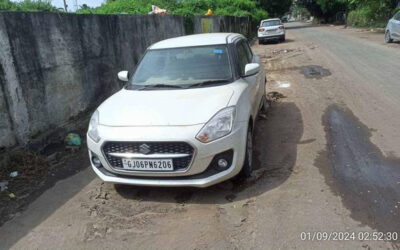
(347, 236)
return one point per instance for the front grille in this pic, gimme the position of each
(155, 147)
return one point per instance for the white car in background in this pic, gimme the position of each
(271, 30)
(186, 116)
(393, 29)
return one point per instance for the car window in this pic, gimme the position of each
(397, 16)
(271, 23)
(183, 66)
(249, 53)
(242, 56)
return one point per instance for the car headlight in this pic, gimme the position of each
(219, 126)
(93, 124)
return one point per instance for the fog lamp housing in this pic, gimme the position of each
(96, 161)
(222, 161)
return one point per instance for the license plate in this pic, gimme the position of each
(148, 165)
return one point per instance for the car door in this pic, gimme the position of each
(244, 59)
(260, 83)
(396, 26)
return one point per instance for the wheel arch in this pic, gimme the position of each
(251, 123)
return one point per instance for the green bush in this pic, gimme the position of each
(359, 18)
(221, 8)
(27, 5)
(373, 15)
(185, 8)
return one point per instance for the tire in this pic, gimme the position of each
(265, 105)
(388, 38)
(248, 159)
(283, 39)
(260, 42)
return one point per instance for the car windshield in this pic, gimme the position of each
(183, 67)
(271, 23)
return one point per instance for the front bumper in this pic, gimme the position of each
(196, 175)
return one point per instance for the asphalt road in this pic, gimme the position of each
(327, 170)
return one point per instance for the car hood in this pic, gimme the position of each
(164, 107)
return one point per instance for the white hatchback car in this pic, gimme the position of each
(186, 116)
(393, 29)
(271, 29)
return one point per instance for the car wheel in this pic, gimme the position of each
(260, 42)
(248, 159)
(265, 105)
(283, 39)
(388, 38)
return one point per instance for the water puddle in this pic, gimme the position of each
(356, 170)
(314, 71)
(280, 84)
(275, 96)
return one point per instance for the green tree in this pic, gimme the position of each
(27, 5)
(186, 8)
(7, 5)
(360, 12)
(276, 8)
(221, 7)
(324, 9)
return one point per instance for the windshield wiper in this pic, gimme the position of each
(159, 86)
(210, 82)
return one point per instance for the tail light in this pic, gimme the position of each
(281, 27)
(261, 30)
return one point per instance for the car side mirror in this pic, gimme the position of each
(123, 76)
(251, 69)
(258, 26)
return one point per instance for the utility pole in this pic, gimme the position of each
(76, 5)
(65, 6)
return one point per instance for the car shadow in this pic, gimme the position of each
(277, 42)
(276, 140)
(288, 40)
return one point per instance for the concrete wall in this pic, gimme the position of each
(221, 24)
(55, 68)
(7, 138)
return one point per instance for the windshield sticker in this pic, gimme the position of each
(218, 51)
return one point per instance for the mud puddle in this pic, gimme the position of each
(275, 96)
(314, 71)
(367, 181)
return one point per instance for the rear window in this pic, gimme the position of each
(271, 23)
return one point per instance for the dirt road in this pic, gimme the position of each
(327, 161)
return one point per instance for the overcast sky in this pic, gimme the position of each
(71, 3)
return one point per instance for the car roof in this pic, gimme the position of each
(197, 40)
(271, 19)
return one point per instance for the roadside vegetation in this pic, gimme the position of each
(256, 9)
(186, 8)
(360, 13)
(27, 5)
